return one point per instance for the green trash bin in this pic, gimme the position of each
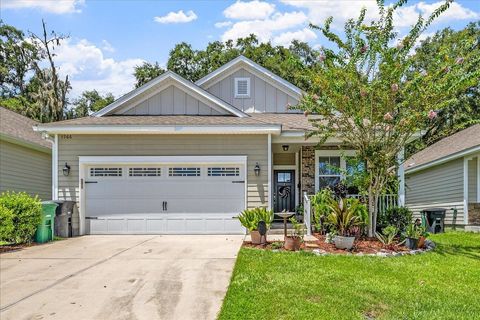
(44, 231)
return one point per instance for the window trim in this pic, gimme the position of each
(90, 168)
(331, 153)
(171, 175)
(223, 170)
(237, 80)
(159, 170)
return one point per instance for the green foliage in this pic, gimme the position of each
(399, 217)
(277, 245)
(298, 229)
(146, 72)
(89, 102)
(365, 93)
(321, 202)
(26, 211)
(289, 63)
(345, 215)
(387, 237)
(250, 218)
(6, 223)
(413, 231)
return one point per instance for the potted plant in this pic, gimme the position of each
(294, 241)
(413, 234)
(387, 237)
(250, 218)
(344, 216)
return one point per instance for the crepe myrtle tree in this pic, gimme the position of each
(367, 93)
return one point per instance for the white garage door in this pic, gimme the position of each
(162, 198)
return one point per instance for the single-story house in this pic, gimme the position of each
(447, 175)
(25, 158)
(175, 156)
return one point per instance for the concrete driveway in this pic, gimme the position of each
(118, 277)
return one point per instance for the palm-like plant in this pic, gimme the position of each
(250, 218)
(344, 216)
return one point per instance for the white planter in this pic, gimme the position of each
(344, 242)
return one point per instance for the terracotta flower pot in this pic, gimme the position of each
(257, 238)
(292, 244)
(421, 242)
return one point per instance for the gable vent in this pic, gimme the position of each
(242, 87)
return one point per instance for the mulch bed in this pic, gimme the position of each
(362, 245)
(15, 247)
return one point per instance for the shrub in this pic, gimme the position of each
(6, 224)
(27, 212)
(345, 216)
(321, 202)
(250, 218)
(399, 217)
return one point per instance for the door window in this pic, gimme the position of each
(284, 177)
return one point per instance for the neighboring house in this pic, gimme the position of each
(179, 157)
(447, 175)
(25, 158)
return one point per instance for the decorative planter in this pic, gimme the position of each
(421, 242)
(343, 242)
(257, 238)
(292, 244)
(411, 243)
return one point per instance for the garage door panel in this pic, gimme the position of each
(202, 204)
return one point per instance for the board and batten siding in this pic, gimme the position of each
(472, 180)
(438, 186)
(253, 146)
(172, 101)
(25, 169)
(263, 96)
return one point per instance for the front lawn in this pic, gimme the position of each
(443, 284)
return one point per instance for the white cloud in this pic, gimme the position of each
(264, 29)
(223, 24)
(106, 46)
(88, 68)
(52, 6)
(177, 17)
(341, 11)
(286, 38)
(252, 10)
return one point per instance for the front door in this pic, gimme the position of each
(284, 186)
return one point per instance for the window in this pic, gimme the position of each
(328, 175)
(184, 172)
(144, 172)
(284, 177)
(105, 172)
(224, 172)
(242, 87)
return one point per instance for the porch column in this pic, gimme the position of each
(401, 177)
(270, 168)
(465, 190)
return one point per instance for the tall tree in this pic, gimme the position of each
(89, 102)
(451, 45)
(146, 72)
(366, 94)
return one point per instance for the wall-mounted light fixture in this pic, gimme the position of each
(257, 169)
(285, 147)
(66, 169)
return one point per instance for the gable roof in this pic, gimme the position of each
(455, 146)
(151, 85)
(243, 61)
(18, 128)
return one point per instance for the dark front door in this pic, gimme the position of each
(284, 187)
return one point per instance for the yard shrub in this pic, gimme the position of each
(399, 217)
(6, 223)
(26, 215)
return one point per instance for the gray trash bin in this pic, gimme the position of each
(435, 219)
(65, 215)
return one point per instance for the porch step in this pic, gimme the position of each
(280, 231)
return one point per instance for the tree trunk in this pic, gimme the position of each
(371, 211)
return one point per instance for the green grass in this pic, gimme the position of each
(443, 284)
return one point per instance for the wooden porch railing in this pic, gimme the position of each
(384, 202)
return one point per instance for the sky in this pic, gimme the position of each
(107, 39)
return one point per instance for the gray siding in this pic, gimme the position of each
(263, 96)
(253, 146)
(472, 180)
(25, 169)
(172, 101)
(438, 186)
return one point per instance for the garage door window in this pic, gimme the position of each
(105, 172)
(224, 172)
(184, 172)
(144, 172)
